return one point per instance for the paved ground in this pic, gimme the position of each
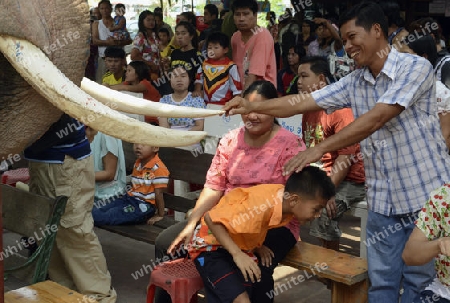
(130, 263)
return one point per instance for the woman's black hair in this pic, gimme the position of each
(141, 25)
(263, 88)
(105, 2)
(141, 69)
(299, 50)
(425, 46)
(191, 30)
(366, 14)
(190, 17)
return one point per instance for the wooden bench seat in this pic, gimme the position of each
(46, 292)
(347, 273)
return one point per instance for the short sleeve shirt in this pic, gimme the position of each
(434, 222)
(145, 179)
(407, 157)
(189, 101)
(148, 47)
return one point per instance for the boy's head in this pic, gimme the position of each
(306, 193)
(144, 152)
(115, 59)
(210, 13)
(119, 9)
(217, 45)
(313, 73)
(245, 14)
(364, 32)
(164, 35)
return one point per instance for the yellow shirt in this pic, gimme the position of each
(109, 78)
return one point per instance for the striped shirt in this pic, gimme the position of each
(407, 158)
(145, 179)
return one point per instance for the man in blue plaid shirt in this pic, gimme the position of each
(405, 157)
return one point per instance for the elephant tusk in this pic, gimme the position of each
(133, 105)
(35, 67)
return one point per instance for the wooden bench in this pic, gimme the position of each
(46, 292)
(183, 166)
(347, 273)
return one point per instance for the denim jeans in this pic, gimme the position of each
(123, 210)
(427, 296)
(386, 238)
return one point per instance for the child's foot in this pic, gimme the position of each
(154, 219)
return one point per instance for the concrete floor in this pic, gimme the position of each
(130, 261)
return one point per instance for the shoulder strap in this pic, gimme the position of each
(441, 62)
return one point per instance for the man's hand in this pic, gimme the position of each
(248, 267)
(237, 105)
(185, 235)
(265, 254)
(302, 159)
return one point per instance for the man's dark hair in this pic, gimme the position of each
(105, 2)
(251, 4)
(425, 46)
(311, 182)
(114, 52)
(212, 9)
(366, 14)
(164, 30)
(218, 37)
(318, 65)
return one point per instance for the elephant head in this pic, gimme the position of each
(45, 46)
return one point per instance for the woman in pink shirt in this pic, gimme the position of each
(252, 154)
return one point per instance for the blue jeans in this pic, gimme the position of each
(123, 210)
(427, 296)
(386, 238)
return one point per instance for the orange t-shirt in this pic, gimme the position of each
(317, 126)
(152, 94)
(247, 214)
(145, 179)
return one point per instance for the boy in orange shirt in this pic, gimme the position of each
(223, 243)
(144, 201)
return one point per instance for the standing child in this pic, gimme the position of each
(119, 27)
(144, 201)
(165, 49)
(224, 242)
(137, 80)
(179, 80)
(218, 75)
(187, 55)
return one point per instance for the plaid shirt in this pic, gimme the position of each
(407, 158)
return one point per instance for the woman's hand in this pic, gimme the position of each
(185, 235)
(265, 254)
(302, 159)
(444, 246)
(248, 267)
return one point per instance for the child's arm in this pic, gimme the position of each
(419, 250)
(248, 267)
(109, 168)
(198, 90)
(159, 199)
(199, 125)
(163, 122)
(122, 24)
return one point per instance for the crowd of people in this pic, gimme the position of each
(374, 127)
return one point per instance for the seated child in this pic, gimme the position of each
(430, 240)
(115, 62)
(223, 243)
(218, 75)
(119, 27)
(144, 201)
(137, 80)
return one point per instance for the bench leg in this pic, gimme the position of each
(343, 293)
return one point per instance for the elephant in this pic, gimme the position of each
(45, 47)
